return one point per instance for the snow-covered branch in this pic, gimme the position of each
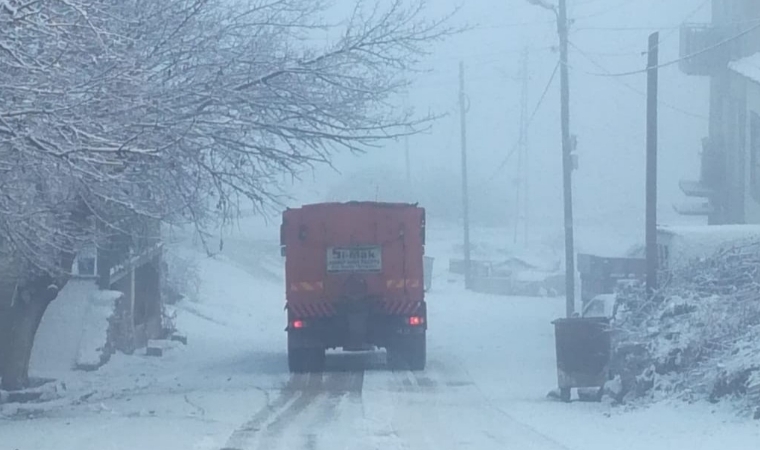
(183, 110)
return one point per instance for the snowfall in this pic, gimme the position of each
(491, 363)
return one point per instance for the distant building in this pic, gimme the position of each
(726, 50)
(746, 72)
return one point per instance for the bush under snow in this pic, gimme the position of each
(699, 338)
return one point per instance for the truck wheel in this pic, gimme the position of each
(303, 360)
(317, 363)
(409, 352)
(296, 360)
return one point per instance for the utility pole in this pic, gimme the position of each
(465, 195)
(567, 148)
(651, 176)
(406, 150)
(521, 191)
(406, 157)
(567, 165)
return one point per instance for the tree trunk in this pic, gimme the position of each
(5, 325)
(20, 327)
(31, 298)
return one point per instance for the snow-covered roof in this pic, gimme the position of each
(697, 242)
(723, 232)
(748, 67)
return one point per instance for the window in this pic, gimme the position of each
(85, 263)
(663, 256)
(754, 149)
(86, 266)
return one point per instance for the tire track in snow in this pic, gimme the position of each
(339, 388)
(322, 392)
(294, 396)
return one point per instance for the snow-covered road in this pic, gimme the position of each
(491, 363)
(358, 404)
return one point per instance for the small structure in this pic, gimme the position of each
(512, 276)
(131, 264)
(680, 245)
(478, 268)
(111, 303)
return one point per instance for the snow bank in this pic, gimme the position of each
(74, 330)
(56, 346)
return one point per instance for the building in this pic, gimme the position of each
(679, 246)
(85, 325)
(724, 50)
(746, 72)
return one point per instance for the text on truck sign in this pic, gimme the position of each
(354, 259)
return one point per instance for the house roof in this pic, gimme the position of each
(704, 232)
(748, 67)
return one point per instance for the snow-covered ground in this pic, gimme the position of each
(491, 364)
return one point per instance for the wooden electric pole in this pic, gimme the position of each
(406, 151)
(567, 163)
(567, 148)
(465, 195)
(408, 166)
(651, 176)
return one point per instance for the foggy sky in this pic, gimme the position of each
(607, 115)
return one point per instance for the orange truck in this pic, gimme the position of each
(354, 281)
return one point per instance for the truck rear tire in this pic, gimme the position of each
(408, 353)
(304, 360)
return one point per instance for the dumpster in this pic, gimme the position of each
(428, 272)
(584, 347)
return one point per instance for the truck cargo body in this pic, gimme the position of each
(354, 281)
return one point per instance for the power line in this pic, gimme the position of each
(634, 28)
(671, 30)
(468, 57)
(607, 10)
(637, 91)
(676, 27)
(684, 58)
(513, 25)
(516, 146)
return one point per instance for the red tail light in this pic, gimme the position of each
(416, 321)
(298, 324)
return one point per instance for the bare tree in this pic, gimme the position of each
(178, 111)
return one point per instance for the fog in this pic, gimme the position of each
(162, 287)
(607, 115)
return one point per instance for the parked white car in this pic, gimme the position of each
(604, 305)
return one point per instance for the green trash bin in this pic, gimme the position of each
(584, 348)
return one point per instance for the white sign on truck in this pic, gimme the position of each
(355, 259)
